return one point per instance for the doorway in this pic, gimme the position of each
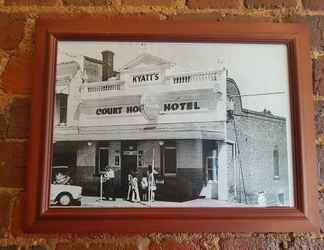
(128, 163)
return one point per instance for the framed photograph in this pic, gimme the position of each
(170, 126)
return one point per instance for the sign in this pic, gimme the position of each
(150, 108)
(146, 77)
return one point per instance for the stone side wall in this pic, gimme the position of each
(16, 48)
(258, 135)
(256, 146)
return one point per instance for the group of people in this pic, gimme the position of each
(142, 189)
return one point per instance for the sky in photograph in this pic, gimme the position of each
(256, 68)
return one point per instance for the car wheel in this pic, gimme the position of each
(64, 199)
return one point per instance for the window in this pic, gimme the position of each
(169, 154)
(212, 166)
(103, 159)
(276, 163)
(210, 152)
(62, 102)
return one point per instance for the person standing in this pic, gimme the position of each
(109, 185)
(135, 193)
(130, 187)
(151, 183)
(144, 187)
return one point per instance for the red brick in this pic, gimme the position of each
(13, 154)
(12, 164)
(5, 211)
(321, 201)
(318, 77)
(86, 2)
(12, 30)
(212, 4)
(103, 246)
(247, 244)
(11, 247)
(313, 4)
(147, 2)
(322, 221)
(31, 2)
(270, 4)
(316, 27)
(172, 244)
(38, 247)
(17, 216)
(3, 126)
(220, 17)
(17, 77)
(19, 116)
(306, 243)
(320, 164)
(319, 117)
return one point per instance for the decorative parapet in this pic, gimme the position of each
(211, 79)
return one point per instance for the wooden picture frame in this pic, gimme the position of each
(40, 217)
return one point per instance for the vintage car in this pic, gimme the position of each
(66, 195)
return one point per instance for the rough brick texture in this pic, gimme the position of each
(31, 2)
(314, 4)
(220, 4)
(14, 23)
(267, 4)
(3, 126)
(246, 244)
(318, 77)
(12, 163)
(319, 117)
(316, 27)
(86, 2)
(5, 209)
(147, 2)
(15, 88)
(79, 246)
(320, 156)
(18, 83)
(19, 114)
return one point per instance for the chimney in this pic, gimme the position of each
(108, 64)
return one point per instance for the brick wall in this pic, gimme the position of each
(17, 24)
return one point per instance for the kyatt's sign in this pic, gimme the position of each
(146, 77)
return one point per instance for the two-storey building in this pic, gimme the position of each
(181, 123)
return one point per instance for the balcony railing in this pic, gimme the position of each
(183, 80)
(98, 87)
(193, 77)
(103, 86)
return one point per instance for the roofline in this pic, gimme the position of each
(250, 111)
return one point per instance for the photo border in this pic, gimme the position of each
(39, 217)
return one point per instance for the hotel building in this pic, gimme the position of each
(190, 126)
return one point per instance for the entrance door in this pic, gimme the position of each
(211, 168)
(103, 159)
(170, 160)
(128, 163)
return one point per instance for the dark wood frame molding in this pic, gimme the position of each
(40, 218)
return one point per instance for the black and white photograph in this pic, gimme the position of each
(171, 124)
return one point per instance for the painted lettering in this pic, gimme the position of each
(109, 111)
(174, 106)
(146, 77)
(182, 105)
(167, 107)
